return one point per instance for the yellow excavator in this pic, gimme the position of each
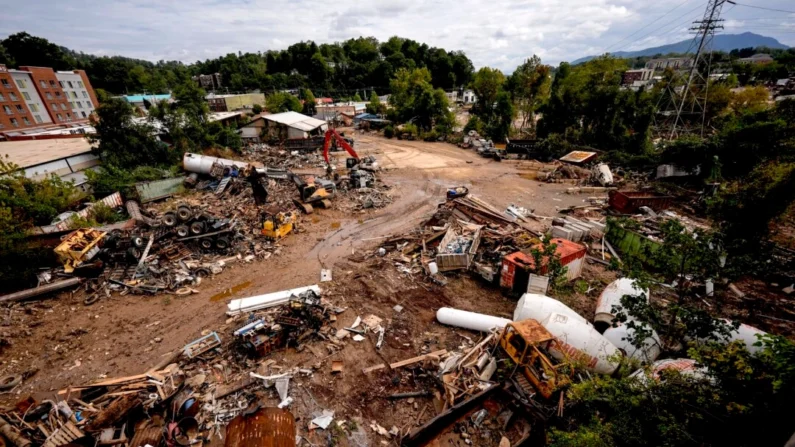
(525, 342)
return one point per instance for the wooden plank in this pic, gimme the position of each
(405, 362)
(72, 428)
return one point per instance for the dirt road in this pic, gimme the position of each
(69, 343)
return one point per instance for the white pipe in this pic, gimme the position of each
(470, 320)
(253, 303)
(532, 306)
(580, 342)
(612, 295)
(202, 164)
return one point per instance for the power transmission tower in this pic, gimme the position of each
(691, 101)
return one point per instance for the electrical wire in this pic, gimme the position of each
(645, 26)
(676, 20)
(763, 8)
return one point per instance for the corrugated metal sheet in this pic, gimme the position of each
(267, 427)
(159, 189)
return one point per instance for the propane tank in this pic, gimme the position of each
(686, 367)
(202, 164)
(620, 335)
(532, 306)
(611, 296)
(579, 341)
(470, 320)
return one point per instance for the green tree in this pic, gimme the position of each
(357, 98)
(530, 85)
(414, 100)
(256, 109)
(310, 105)
(374, 106)
(283, 102)
(487, 85)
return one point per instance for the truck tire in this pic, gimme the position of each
(206, 243)
(183, 231)
(184, 213)
(170, 219)
(197, 228)
(138, 241)
(8, 382)
(222, 243)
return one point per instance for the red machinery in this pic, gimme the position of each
(333, 135)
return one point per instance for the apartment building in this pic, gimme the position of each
(39, 96)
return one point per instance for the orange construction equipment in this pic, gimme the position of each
(333, 136)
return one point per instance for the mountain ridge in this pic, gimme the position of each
(722, 42)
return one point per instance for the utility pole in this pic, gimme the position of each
(696, 87)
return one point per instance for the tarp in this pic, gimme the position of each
(159, 189)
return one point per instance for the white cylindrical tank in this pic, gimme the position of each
(579, 341)
(686, 367)
(620, 335)
(611, 296)
(470, 320)
(747, 334)
(202, 164)
(532, 306)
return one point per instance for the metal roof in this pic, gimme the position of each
(28, 153)
(150, 98)
(295, 120)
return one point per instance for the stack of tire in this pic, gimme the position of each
(186, 222)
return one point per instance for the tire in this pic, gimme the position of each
(197, 228)
(222, 243)
(202, 272)
(183, 231)
(8, 382)
(134, 253)
(184, 213)
(206, 243)
(138, 241)
(170, 219)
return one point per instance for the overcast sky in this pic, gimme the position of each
(498, 33)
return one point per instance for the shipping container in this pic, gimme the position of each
(517, 267)
(457, 261)
(628, 202)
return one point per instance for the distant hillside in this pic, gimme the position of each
(722, 42)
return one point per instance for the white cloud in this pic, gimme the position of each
(500, 33)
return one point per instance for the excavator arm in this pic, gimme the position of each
(333, 134)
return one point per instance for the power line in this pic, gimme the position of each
(673, 21)
(763, 8)
(646, 26)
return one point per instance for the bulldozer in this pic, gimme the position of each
(278, 225)
(525, 342)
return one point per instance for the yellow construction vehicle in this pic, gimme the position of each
(278, 225)
(525, 343)
(78, 247)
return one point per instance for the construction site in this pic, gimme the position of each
(401, 293)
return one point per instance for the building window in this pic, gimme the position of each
(8, 110)
(20, 109)
(5, 83)
(26, 95)
(2, 98)
(80, 84)
(85, 94)
(58, 115)
(74, 94)
(26, 120)
(2, 125)
(13, 96)
(70, 84)
(57, 94)
(61, 82)
(43, 84)
(63, 106)
(72, 104)
(14, 122)
(38, 118)
(52, 83)
(54, 106)
(49, 95)
(21, 83)
(79, 105)
(34, 107)
(84, 114)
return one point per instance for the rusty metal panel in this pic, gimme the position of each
(578, 157)
(267, 427)
(147, 433)
(159, 189)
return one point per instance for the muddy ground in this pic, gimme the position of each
(67, 343)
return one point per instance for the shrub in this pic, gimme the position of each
(475, 124)
(431, 135)
(410, 129)
(389, 131)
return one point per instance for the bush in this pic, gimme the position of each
(475, 124)
(431, 135)
(410, 129)
(389, 131)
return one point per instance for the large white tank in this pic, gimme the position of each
(746, 334)
(201, 164)
(470, 320)
(686, 367)
(611, 296)
(532, 306)
(579, 341)
(620, 335)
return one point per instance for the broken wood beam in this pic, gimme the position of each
(410, 394)
(406, 362)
